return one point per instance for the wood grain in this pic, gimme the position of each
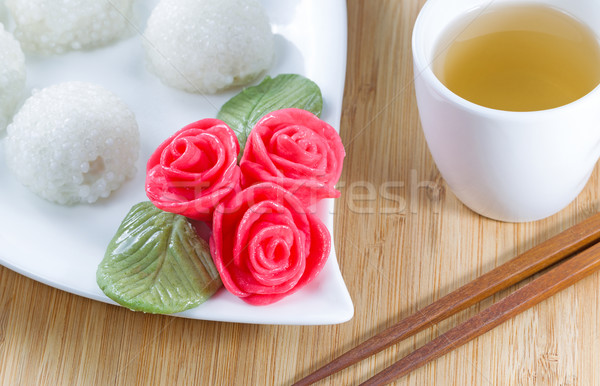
(406, 245)
(548, 284)
(556, 249)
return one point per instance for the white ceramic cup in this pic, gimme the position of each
(509, 166)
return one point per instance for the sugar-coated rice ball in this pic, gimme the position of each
(73, 143)
(57, 26)
(205, 46)
(12, 76)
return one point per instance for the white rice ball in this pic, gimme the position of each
(57, 26)
(12, 76)
(205, 46)
(73, 143)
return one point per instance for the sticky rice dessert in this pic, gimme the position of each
(73, 143)
(57, 26)
(12, 76)
(205, 46)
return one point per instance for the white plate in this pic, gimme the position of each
(62, 246)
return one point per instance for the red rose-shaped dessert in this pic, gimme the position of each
(193, 170)
(297, 150)
(264, 244)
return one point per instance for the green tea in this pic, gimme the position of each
(519, 58)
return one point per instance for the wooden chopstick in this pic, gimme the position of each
(548, 284)
(553, 250)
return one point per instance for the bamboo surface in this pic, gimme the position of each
(403, 240)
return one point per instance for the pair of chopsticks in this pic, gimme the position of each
(578, 251)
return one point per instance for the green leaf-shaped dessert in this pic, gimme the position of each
(157, 263)
(287, 90)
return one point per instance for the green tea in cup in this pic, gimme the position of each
(519, 57)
